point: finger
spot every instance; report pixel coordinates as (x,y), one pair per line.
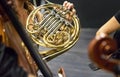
(70,6)
(9,2)
(73,12)
(65,3)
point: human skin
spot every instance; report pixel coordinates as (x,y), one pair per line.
(109,27)
(21,12)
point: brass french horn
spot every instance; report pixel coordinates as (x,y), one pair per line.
(53,32)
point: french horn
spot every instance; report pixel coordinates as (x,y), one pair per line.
(53,32)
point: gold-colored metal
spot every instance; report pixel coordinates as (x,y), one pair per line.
(53,31)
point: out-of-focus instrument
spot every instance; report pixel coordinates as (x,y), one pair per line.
(59,37)
(12,35)
(53,32)
(100,52)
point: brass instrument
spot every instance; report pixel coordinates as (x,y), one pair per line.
(6,32)
(100,51)
(53,32)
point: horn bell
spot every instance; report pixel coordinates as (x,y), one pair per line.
(48,27)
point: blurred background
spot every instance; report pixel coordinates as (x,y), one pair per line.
(92,14)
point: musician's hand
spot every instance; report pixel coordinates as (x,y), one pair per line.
(69,6)
(30,75)
(100,35)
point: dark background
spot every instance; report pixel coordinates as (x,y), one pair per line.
(93,13)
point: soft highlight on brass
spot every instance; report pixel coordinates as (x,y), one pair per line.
(49,27)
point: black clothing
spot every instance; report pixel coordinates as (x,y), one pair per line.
(117,16)
(117,33)
(117,37)
(9,63)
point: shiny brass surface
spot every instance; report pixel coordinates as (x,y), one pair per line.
(48,27)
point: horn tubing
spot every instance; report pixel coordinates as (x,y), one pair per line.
(49,22)
(44,40)
(34,53)
(57,27)
(44,22)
